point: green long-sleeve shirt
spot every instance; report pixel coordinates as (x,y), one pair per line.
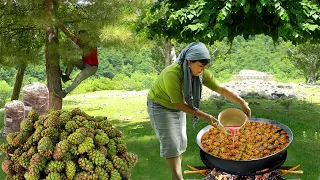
(167,90)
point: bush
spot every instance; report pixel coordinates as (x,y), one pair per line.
(5,92)
(92,85)
(137,81)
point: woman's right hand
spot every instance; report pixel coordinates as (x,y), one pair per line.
(211,120)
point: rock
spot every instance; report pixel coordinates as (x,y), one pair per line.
(257,84)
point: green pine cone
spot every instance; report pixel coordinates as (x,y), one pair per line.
(45,146)
(26,125)
(7,167)
(118,163)
(37,162)
(115,175)
(112,149)
(65,117)
(70,169)
(52,121)
(63,135)
(83,176)
(31,176)
(33,115)
(10,138)
(60,149)
(85,164)
(53,176)
(15,177)
(32,151)
(108,166)
(101,139)
(86,146)
(102,174)
(50,132)
(71,126)
(24,160)
(54,166)
(97,157)
(122,148)
(21,138)
(76,138)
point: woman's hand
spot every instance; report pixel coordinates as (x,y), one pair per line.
(211,120)
(246,109)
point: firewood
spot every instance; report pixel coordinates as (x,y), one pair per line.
(195,172)
(291,172)
(291,169)
(195,169)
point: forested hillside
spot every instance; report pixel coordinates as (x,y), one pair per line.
(257,53)
(133,69)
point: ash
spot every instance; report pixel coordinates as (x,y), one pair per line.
(218,175)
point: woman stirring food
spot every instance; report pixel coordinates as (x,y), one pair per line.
(177,91)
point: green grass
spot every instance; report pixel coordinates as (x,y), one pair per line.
(129,114)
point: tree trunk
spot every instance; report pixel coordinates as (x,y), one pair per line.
(312,75)
(167,53)
(52,60)
(312,78)
(18,82)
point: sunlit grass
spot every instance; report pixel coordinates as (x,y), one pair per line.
(128,112)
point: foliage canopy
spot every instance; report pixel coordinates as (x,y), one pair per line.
(211,20)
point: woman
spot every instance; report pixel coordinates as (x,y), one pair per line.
(177,91)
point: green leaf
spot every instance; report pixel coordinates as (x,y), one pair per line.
(243,2)
(220,17)
(281,12)
(315,16)
(312,27)
(246,8)
(277,5)
(195,27)
(263,2)
(225,13)
(230,20)
(259,8)
(190,16)
(228,5)
(295,34)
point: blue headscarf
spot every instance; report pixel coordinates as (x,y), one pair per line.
(192,85)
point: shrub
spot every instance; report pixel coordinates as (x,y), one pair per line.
(5,92)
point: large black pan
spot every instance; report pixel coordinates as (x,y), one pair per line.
(248,166)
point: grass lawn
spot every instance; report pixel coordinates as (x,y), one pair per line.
(128,112)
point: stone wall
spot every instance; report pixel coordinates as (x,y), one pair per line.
(255,84)
(252,75)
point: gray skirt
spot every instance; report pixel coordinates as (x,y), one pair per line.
(170,128)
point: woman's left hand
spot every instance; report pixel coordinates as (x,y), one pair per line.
(246,109)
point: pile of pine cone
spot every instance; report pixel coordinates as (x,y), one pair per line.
(67,145)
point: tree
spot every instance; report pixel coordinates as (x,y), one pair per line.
(306,58)
(211,20)
(40,19)
(20,42)
(162,53)
(163,49)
